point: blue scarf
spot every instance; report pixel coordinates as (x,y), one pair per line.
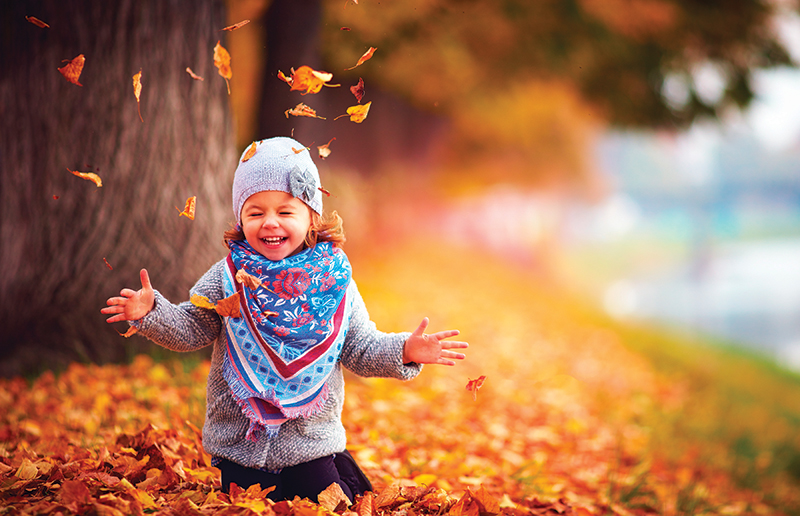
(287,341)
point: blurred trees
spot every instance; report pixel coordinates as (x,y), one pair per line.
(56,229)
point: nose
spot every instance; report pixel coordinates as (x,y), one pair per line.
(270,221)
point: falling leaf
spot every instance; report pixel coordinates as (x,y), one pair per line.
(108,264)
(358,90)
(474,385)
(229,307)
(193,75)
(55,197)
(302,110)
(72,70)
(357,113)
(89,176)
(332,496)
(324,191)
(36,21)
(250,152)
(366,57)
(307,80)
(189,209)
(137,91)
(324,150)
(248,280)
(201,301)
(345,28)
(298,151)
(222,60)
(236,25)
(131,331)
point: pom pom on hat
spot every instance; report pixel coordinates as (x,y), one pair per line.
(276,166)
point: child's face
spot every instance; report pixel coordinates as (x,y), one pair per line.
(275,223)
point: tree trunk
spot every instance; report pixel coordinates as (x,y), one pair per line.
(57,231)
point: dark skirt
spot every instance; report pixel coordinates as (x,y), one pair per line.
(305,480)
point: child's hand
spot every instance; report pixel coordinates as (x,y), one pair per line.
(430,349)
(132,305)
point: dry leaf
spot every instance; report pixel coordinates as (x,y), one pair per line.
(358,90)
(345,28)
(201,301)
(222,60)
(366,57)
(72,70)
(193,75)
(326,192)
(302,110)
(36,21)
(474,385)
(248,279)
(107,264)
(236,25)
(357,113)
(324,150)
(229,307)
(307,80)
(55,197)
(131,331)
(137,91)
(332,497)
(189,209)
(251,151)
(89,176)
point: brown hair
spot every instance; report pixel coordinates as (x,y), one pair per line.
(323,228)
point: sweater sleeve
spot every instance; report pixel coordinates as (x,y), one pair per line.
(368,351)
(185,327)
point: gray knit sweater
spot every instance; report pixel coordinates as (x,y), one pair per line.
(366,352)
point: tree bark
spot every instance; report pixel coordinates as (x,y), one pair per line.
(57,231)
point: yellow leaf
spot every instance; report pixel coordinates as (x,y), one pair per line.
(89,176)
(366,57)
(137,91)
(250,152)
(201,301)
(189,209)
(357,113)
(222,60)
(27,470)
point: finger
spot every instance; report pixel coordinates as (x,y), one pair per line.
(454,344)
(446,334)
(421,328)
(116,318)
(453,355)
(112,310)
(126,292)
(444,361)
(145,277)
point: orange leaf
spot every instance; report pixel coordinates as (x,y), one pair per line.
(324,150)
(474,385)
(137,91)
(236,25)
(193,75)
(366,57)
(229,307)
(36,21)
(307,80)
(302,110)
(201,301)
(357,113)
(488,504)
(74,492)
(326,192)
(250,152)
(131,331)
(332,496)
(222,60)
(89,176)
(27,470)
(358,90)
(248,279)
(189,209)
(72,70)
(108,264)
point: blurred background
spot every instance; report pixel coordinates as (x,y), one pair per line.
(640,153)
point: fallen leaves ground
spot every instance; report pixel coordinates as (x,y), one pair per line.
(572,418)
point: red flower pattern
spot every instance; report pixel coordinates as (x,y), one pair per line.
(291,283)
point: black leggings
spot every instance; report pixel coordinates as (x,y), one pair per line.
(305,480)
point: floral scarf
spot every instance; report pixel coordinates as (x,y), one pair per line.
(287,341)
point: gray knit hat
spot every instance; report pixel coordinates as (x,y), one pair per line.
(276,166)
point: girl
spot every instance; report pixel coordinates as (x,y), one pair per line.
(275,389)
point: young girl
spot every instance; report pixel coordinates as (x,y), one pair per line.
(275,389)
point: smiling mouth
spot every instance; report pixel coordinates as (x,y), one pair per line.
(273,240)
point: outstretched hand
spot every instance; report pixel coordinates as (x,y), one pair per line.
(131,305)
(423,348)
